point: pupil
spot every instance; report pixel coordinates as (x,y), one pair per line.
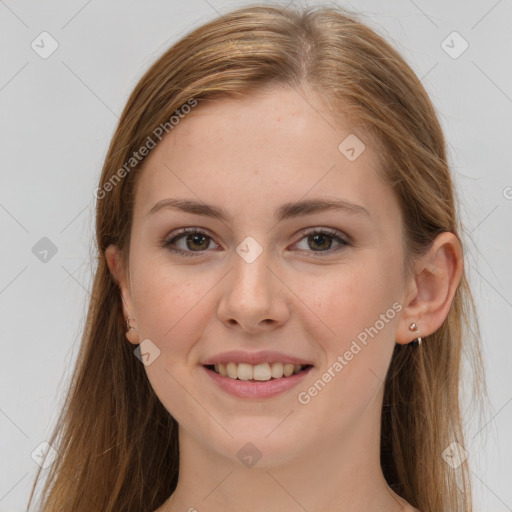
(324,237)
(195,238)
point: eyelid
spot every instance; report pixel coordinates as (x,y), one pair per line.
(335,233)
(180,233)
(342,238)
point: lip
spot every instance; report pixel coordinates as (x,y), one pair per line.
(260,389)
(264,356)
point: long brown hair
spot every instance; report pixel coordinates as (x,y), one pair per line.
(117,445)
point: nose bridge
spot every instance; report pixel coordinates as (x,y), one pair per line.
(253,295)
(251,277)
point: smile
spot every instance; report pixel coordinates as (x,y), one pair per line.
(257,372)
(260,381)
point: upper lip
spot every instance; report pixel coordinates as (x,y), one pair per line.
(264,356)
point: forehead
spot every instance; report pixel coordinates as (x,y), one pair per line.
(279,145)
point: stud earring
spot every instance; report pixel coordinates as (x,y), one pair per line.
(131,333)
(128,326)
(414,328)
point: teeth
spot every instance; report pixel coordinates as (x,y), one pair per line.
(244,371)
(288,369)
(231,370)
(261,372)
(276,370)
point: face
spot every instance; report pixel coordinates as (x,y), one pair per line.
(274,282)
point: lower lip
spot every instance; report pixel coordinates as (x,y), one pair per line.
(257,389)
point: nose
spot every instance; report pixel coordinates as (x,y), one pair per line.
(254,298)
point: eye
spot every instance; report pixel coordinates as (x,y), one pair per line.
(321,239)
(194,240)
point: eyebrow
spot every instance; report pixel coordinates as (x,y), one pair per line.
(286,211)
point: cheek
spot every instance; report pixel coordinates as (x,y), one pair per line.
(171,313)
(352,298)
(362,311)
(170,305)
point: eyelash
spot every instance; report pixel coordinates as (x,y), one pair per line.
(167,244)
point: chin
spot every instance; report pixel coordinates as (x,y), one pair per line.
(260,447)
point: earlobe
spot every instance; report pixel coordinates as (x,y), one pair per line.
(432,289)
(115,265)
(131,333)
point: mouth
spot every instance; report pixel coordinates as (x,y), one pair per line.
(258,372)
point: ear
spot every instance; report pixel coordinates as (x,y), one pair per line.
(430,292)
(115,264)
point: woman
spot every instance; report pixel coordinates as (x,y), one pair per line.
(280,302)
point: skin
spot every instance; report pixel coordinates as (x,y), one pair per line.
(249,156)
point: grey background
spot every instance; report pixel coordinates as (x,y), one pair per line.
(59,113)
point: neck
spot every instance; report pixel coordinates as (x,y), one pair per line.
(339,472)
